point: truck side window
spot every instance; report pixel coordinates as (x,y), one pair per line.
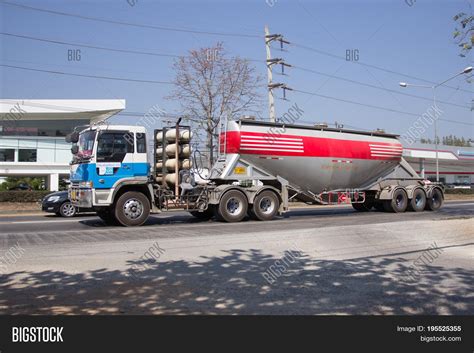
(112,147)
(141,143)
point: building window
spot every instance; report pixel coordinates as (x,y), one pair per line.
(26,155)
(7,155)
(463,180)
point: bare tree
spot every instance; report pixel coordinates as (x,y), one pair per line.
(210,85)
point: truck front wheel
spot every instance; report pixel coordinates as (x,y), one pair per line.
(132,209)
(232,206)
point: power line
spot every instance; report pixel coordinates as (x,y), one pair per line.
(89,46)
(88,76)
(53,41)
(375,106)
(123,23)
(175,29)
(372,66)
(377,87)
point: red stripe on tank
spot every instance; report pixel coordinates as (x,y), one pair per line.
(308,146)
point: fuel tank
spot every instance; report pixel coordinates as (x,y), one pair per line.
(314,158)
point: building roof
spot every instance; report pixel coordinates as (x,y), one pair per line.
(428,151)
(65,109)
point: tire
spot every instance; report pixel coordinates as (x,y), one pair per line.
(67,209)
(233,206)
(132,209)
(204,215)
(435,201)
(399,202)
(418,201)
(265,206)
(108,217)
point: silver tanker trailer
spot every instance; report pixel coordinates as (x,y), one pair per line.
(260,168)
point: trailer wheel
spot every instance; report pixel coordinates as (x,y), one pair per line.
(265,206)
(399,202)
(204,215)
(418,201)
(232,206)
(435,201)
(132,209)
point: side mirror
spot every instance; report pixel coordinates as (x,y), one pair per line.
(72,137)
(75,149)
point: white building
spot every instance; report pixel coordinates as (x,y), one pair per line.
(32,133)
(456,164)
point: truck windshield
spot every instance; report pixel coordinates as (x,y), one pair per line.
(86,143)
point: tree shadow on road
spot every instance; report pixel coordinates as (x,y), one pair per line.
(233,283)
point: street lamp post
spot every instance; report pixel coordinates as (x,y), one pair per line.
(433,87)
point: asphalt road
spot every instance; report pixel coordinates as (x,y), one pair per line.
(311,261)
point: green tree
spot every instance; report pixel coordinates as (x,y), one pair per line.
(450,140)
(34,183)
(464,32)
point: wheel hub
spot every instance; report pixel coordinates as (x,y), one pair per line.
(418,200)
(68,209)
(133,209)
(266,205)
(234,206)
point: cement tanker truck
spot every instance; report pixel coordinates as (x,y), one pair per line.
(260,168)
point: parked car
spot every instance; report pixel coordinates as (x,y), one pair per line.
(59,203)
(21,187)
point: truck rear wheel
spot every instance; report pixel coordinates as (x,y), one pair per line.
(232,206)
(435,201)
(418,201)
(399,202)
(132,209)
(265,206)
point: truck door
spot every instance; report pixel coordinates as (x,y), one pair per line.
(114,159)
(140,160)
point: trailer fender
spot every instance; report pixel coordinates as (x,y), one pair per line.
(429,190)
(387,192)
(251,194)
(217,193)
(411,189)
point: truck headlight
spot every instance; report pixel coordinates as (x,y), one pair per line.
(86,184)
(53,199)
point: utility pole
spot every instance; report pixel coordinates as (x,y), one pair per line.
(271,101)
(270,62)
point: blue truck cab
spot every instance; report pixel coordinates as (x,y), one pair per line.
(110,167)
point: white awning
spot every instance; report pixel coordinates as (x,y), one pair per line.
(93,110)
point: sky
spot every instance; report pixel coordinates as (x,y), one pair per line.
(394,41)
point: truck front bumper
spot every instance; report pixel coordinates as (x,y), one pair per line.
(81,197)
